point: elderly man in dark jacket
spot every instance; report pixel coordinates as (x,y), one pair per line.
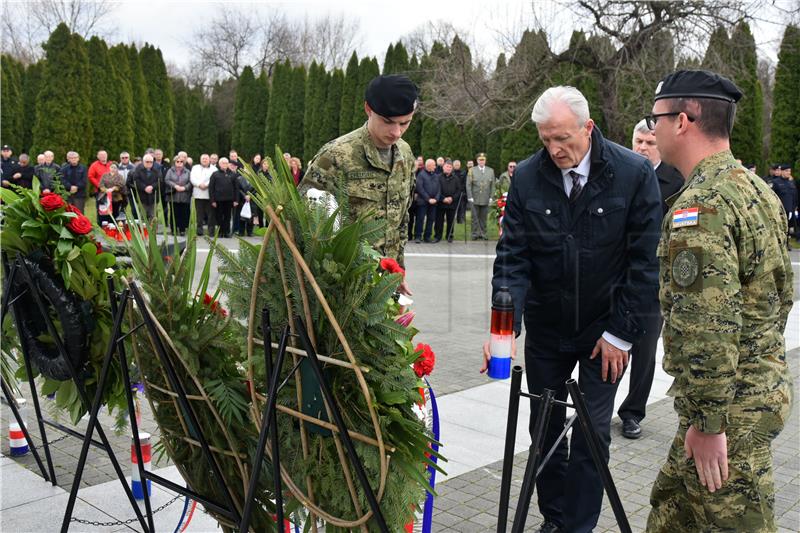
(427,191)
(146,179)
(74,178)
(223,191)
(450,185)
(581,223)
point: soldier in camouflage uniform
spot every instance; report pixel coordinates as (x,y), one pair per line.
(726,293)
(480,186)
(372,168)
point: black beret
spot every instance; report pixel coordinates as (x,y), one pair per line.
(6,147)
(392,96)
(786,166)
(698,84)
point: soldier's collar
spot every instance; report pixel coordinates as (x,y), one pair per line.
(711,165)
(371,151)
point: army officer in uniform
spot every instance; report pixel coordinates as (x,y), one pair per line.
(372,168)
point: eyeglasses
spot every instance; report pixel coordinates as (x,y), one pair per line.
(651,120)
(178,161)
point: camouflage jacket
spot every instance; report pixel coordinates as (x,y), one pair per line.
(725,292)
(351,168)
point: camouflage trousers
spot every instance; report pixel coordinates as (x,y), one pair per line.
(746,500)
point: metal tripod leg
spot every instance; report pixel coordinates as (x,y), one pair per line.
(508,455)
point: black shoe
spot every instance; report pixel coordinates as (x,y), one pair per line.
(449,239)
(548,527)
(418,241)
(631,428)
(436,240)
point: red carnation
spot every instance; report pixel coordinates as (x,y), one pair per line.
(51,201)
(213,305)
(424,364)
(391,266)
(80,225)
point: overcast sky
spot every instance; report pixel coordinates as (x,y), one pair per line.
(170,24)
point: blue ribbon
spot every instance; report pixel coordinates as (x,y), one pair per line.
(427,515)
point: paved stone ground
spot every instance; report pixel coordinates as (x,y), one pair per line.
(469,503)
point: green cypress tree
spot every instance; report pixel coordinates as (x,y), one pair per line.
(413,135)
(400,59)
(31,82)
(209,130)
(244,91)
(388,61)
(290,131)
(123,113)
(747,135)
(262,109)
(63,105)
(313,94)
(333,106)
(279,98)
(454,141)
(162,101)
(349,90)
(367,69)
(192,134)
(12,105)
(318,116)
(518,144)
(494,148)
(180,91)
(785,134)
(251,132)
(430,138)
(103,90)
(144,123)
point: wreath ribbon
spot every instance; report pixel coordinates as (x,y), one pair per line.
(427,515)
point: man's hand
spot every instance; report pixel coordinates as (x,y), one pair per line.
(487,354)
(710,453)
(614,359)
(246,197)
(202,186)
(235,204)
(6,183)
(432,201)
(405,289)
(73,189)
(148,189)
(214,204)
(448,200)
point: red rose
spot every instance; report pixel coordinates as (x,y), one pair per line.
(72,209)
(99,248)
(51,201)
(80,225)
(424,364)
(391,266)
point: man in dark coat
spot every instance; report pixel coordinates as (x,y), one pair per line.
(146,180)
(223,192)
(580,227)
(785,187)
(643,353)
(8,162)
(446,210)
(427,197)
(74,177)
(461,201)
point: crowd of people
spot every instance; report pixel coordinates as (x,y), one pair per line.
(221,194)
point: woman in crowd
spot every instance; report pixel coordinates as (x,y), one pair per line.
(179,194)
(113,182)
(256,162)
(296,167)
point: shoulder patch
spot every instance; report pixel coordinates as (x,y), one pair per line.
(686,217)
(324,162)
(685,267)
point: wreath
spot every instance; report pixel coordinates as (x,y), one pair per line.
(70,267)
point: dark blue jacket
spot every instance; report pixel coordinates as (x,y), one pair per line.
(577,271)
(428,187)
(787,193)
(74,176)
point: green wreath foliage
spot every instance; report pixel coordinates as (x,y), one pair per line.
(31,229)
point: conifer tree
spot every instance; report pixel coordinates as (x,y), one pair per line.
(208,131)
(179,90)
(413,135)
(494,148)
(192,127)
(31,81)
(63,105)
(785,134)
(314,98)
(279,98)
(144,124)
(262,109)
(250,125)
(104,93)
(718,52)
(367,69)
(454,141)
(388,60)
(333,106)
(238,113)
(290,130)
(430,138)
(123,112)
(11,109)
(161,99)
(349,89)
(400,59)
(747,135)
(517,144)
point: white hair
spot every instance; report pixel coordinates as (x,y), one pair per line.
(565,94)
(72,154)
(640,127)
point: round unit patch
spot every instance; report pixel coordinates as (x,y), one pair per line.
(685,268)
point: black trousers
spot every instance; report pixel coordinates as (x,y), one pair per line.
(204,214)
(425,217)
(412,218)
(570,490)
(443,214)
(643,368)
(221,218)
(180,214)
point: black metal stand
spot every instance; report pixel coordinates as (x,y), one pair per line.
(20,268)
(269,424)
(535,463)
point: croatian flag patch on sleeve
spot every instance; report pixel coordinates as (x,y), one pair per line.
(685,217)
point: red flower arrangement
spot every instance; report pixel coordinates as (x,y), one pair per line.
(391,266)
(214,306)
(51,201)
(424,364)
